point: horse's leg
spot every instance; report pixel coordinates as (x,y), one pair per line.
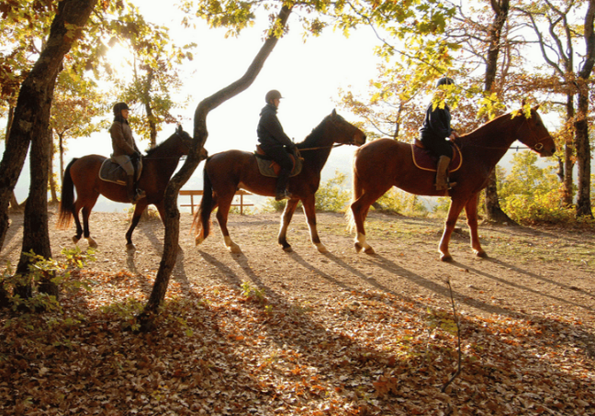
(138,212)
(77,222)
(309,205)
(359,210)
(456,206)
(222,214)
(471,211)
(285,220)
(86,214)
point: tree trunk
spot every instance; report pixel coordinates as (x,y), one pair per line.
(149,110)
(51,177)
(492,204)
(172,214)
(568,182)
(583,148)
(32,113)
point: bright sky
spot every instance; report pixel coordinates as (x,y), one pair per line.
(307,74)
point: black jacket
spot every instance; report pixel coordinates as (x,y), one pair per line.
(269,130)
(436,123)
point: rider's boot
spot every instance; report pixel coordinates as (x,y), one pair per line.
(442,182)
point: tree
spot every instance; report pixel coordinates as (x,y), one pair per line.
(31,124)
(557,37)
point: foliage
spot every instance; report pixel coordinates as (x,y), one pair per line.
(402,202)
(270,205)
(332,195)
(62,273)
(533,194)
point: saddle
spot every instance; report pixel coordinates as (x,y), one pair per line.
(111,171)
(424,160)
(268,167)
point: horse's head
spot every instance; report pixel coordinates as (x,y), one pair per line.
(533,133)
(344,132)
(184,138)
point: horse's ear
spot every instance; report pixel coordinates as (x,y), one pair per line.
(334,113)
(536,107)
(179,129)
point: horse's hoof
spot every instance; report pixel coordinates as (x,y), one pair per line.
(130,248)
(92,243)
(234,248)
(75,239)
(358,247)
(288,249)
(446,258)
(321,248)
(481,253)
(369,250)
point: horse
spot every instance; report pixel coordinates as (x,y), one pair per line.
(384,163)
(226,172)
(83,174)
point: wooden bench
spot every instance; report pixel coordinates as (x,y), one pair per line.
(241,193)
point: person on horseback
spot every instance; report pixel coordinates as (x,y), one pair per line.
(434,132)
(126,153)
(275,143)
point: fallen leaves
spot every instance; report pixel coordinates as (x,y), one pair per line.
(220,350)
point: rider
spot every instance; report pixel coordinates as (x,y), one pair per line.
(126,154)
(434,132)
(275,143)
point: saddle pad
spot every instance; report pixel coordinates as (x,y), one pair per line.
(110,171)
(270,168)
(424,160)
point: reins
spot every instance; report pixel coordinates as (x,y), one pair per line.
(321,147)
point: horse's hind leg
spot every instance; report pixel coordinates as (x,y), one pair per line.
(87,234)
(309,205)
(471,211)
(359,210)
(285,220)
(222,214)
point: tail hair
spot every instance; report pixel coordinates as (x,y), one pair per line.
(66,212)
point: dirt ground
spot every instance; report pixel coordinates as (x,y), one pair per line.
(531,272)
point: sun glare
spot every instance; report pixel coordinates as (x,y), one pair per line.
(118,56)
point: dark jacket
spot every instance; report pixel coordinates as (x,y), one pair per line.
(436,123)
(270,132)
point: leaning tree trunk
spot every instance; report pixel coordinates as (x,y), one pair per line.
(172,214)
(492,203)
(31,121)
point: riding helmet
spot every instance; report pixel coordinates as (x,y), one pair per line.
(119,107)
(444,81)
(272,95)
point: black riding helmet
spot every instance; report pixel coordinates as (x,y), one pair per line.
(444,81)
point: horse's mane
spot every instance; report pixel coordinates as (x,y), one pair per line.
(159,146)
(314,136)
(492,123)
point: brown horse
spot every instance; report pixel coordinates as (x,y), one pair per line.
(83,174)
(385,163)
(226,172)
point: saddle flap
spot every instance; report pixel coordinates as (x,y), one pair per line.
(424,160)
(268,167)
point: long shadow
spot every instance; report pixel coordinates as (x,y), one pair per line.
(393,268)
(13,239)
(525,288)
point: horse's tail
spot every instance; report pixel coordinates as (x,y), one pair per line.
(356,192)
(66,200)
(202,218)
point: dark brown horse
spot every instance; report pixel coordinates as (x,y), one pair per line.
(226,172)
(83,174)
(385,163)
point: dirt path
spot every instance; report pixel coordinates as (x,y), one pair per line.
(529,271)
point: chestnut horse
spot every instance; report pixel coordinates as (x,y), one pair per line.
(83,174)
(385,163)
(226,172)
